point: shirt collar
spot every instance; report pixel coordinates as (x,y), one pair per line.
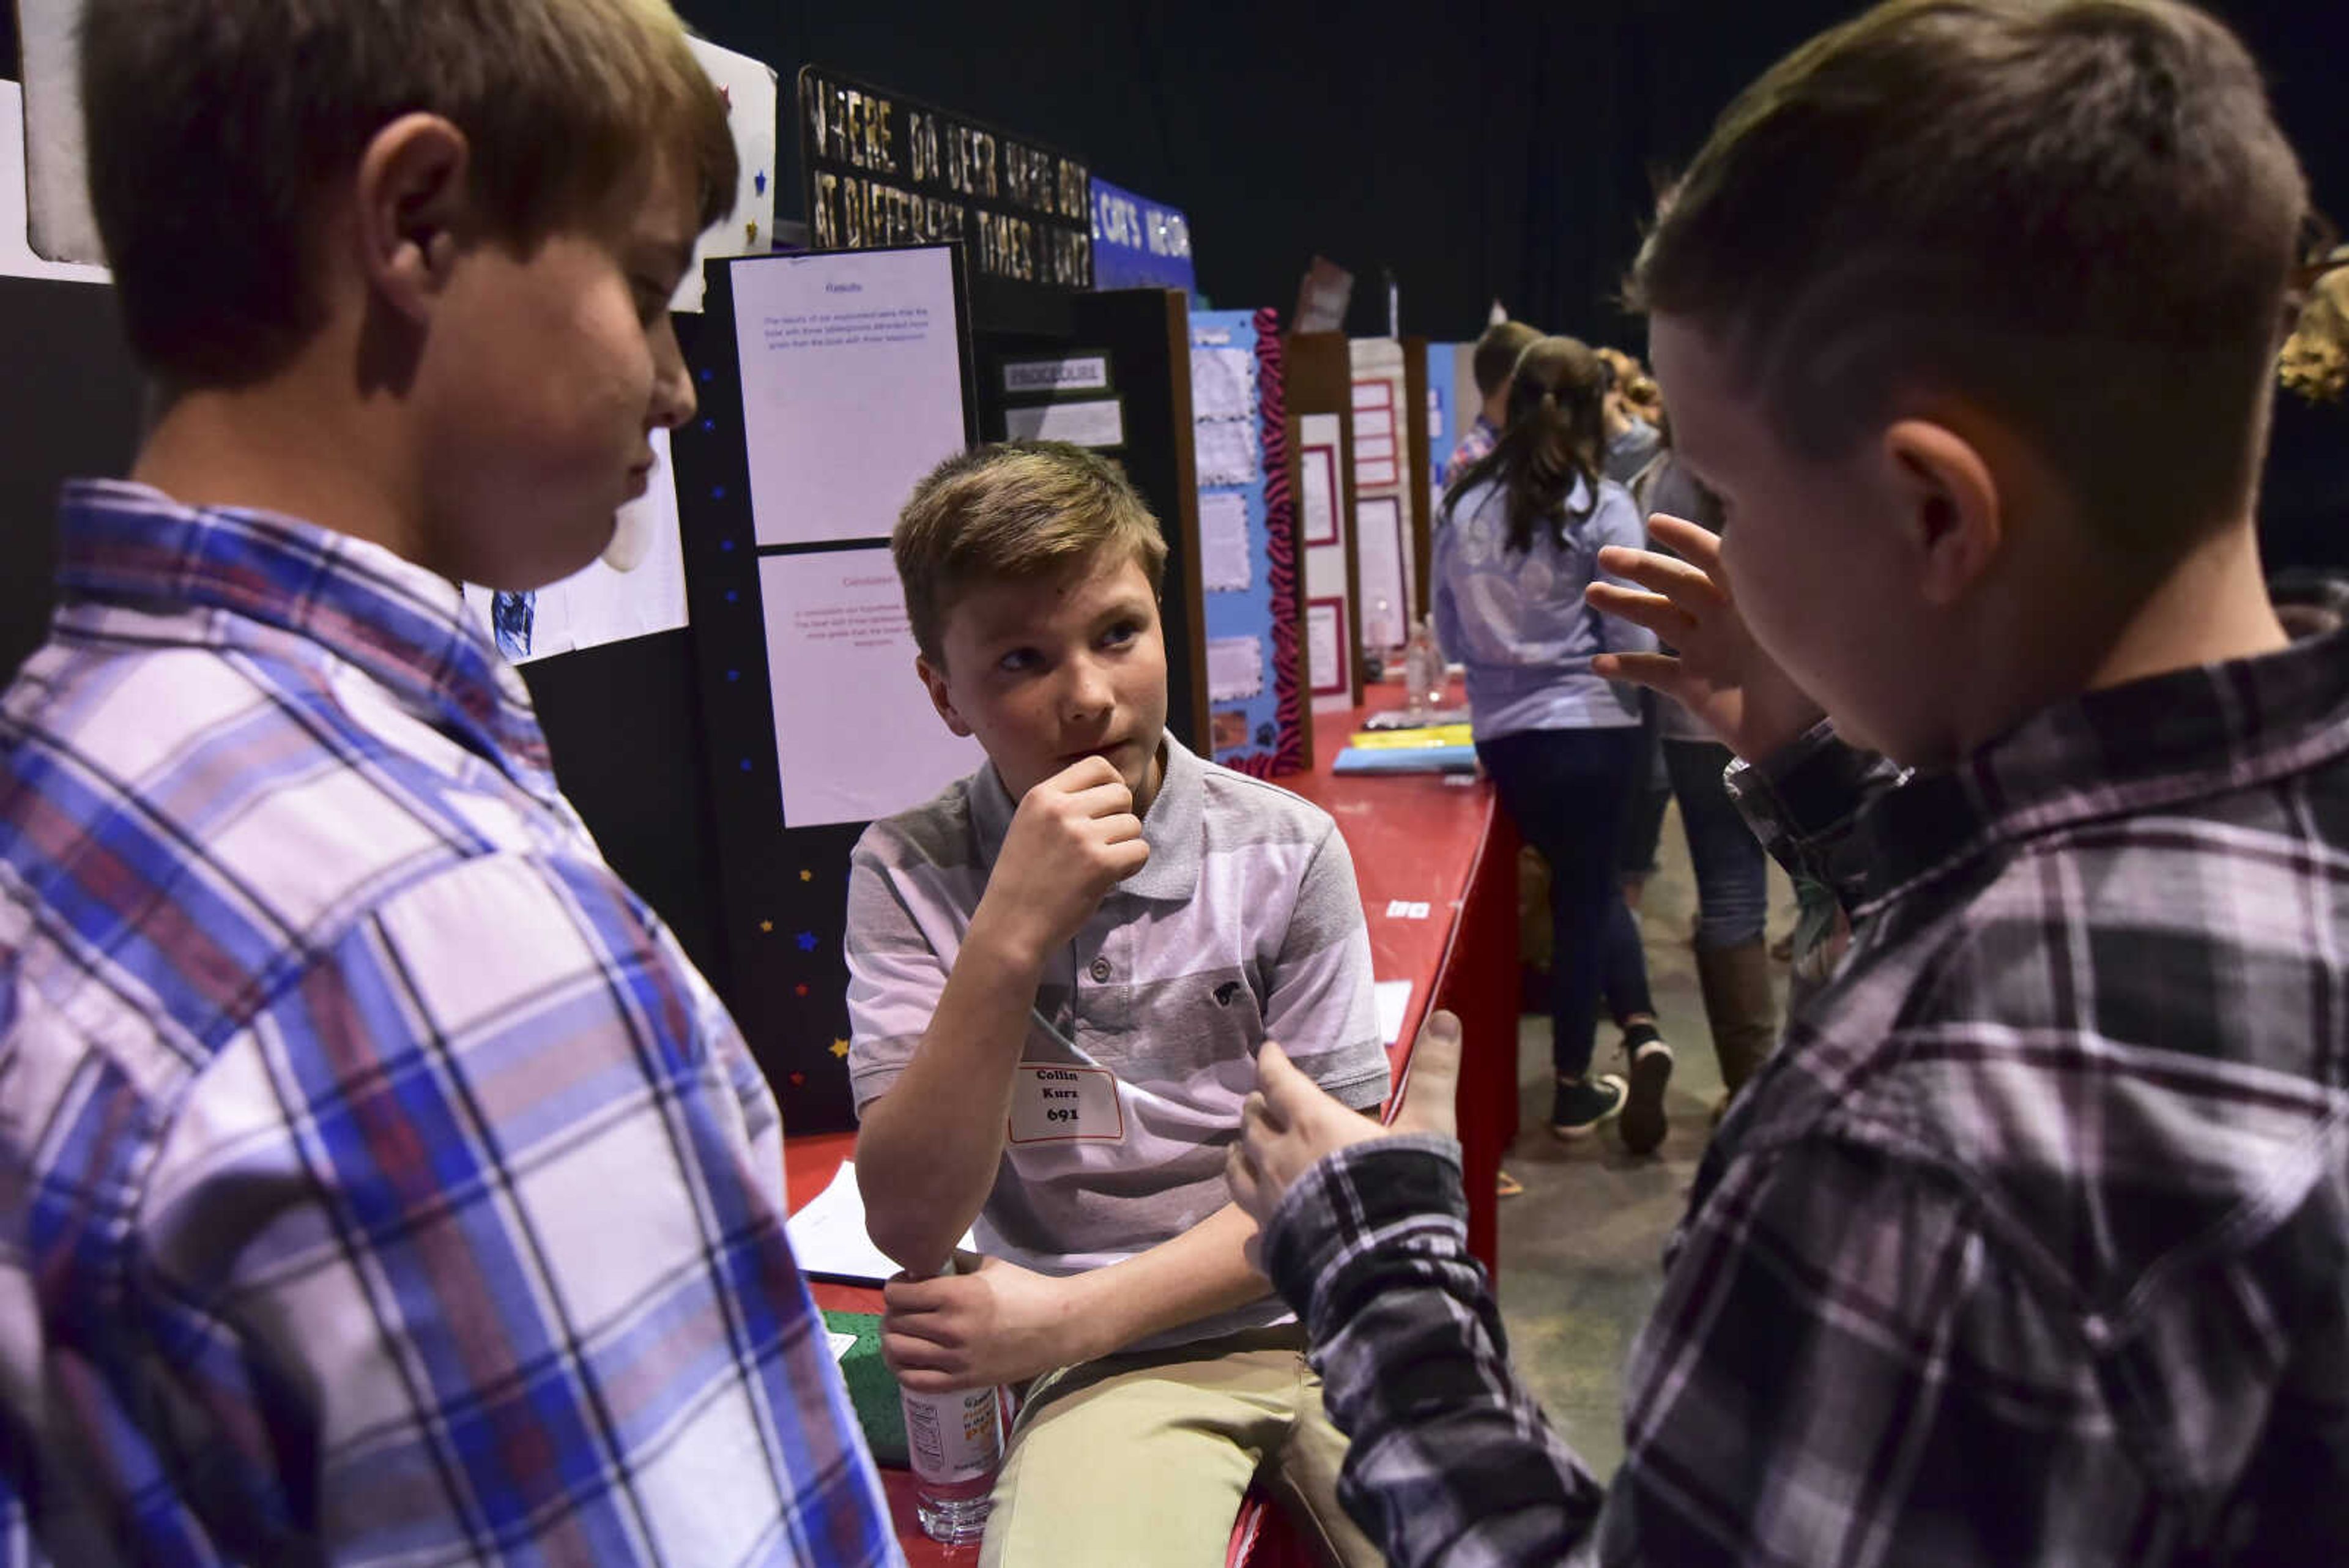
(409,629)
(1174,828)
(2147,745)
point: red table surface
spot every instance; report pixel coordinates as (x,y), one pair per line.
(1415,839)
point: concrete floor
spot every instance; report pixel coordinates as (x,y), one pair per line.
(1580,1250)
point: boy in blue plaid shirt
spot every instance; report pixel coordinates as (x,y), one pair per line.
(378,1178)
(2032,1242)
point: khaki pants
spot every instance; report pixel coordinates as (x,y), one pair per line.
(1141,1459)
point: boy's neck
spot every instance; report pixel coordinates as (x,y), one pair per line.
(283,446)
(2211,607)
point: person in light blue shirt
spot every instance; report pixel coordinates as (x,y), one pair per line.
(1516,545)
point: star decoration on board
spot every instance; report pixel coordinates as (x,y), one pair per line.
(800,990)
(766,925)
(758,183)
(751,232)
(807,941)
(799,1080)
(839,1048)
(806,875)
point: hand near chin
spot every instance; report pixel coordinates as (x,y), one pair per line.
(995,1323)
(1289,1122)
(1073,838)
(1717,671)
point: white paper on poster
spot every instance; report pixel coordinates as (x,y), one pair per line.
(1226,452)
(750,102)
(1076,373)
(1435,418)
(851,387)
(1378,555)
(1316,497)
(1235,667)
(1372,424)
(54,153)
(1323,654)
(17,258)
(1373,358)
(1098,423)
(1222,384)
(1369,449)
(597,605)
(855,736)
(1226,555)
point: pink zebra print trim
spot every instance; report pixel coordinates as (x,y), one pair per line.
(1280,538)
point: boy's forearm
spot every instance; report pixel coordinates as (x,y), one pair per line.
(1201,1273)
(928,1151)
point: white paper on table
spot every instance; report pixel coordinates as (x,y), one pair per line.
(1097,422)
(855,736)
(752,96)
(840,1343)
(851,387)
(1226,452)
(1393,998)
(1222,384)
(1227,554)
(1378,555)
(828,1237)
(1369,423)
(1235,668)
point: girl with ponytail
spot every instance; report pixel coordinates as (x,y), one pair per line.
(1517,541)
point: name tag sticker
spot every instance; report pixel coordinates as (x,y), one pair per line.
(1055,1104)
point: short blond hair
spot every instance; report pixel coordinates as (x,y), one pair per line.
(1015,512)
(215,126)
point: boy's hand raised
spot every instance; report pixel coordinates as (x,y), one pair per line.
(1720,674)
(1073,838)
(1289,1122)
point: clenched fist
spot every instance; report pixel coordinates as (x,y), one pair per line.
(1073,838)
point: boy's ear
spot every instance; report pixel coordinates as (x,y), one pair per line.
(413,208)
(934,678)
(1948,496)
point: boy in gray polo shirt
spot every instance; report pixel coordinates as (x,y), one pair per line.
(1060,970)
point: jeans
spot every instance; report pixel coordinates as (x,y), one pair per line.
(1568,791)
(1732,884)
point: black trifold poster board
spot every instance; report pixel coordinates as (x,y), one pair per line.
(781,891)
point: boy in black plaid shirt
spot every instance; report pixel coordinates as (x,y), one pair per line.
(2029,1244)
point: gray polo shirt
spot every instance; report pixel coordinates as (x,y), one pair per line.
(1244,926)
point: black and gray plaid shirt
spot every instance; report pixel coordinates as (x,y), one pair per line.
(2033,1243)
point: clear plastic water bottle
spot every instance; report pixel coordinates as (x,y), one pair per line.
(1423,670)
(956,1443)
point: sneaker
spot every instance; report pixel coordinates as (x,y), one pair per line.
(1581,1104)
(1643,1111)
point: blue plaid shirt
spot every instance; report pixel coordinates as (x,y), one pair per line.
(378,1180)
(2032,1242)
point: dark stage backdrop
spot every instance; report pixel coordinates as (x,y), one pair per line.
(1479,148)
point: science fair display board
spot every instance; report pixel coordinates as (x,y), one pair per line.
(829,385)
(1320,394)
(1256,718)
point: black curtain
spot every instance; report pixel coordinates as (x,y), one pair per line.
(1484,148)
